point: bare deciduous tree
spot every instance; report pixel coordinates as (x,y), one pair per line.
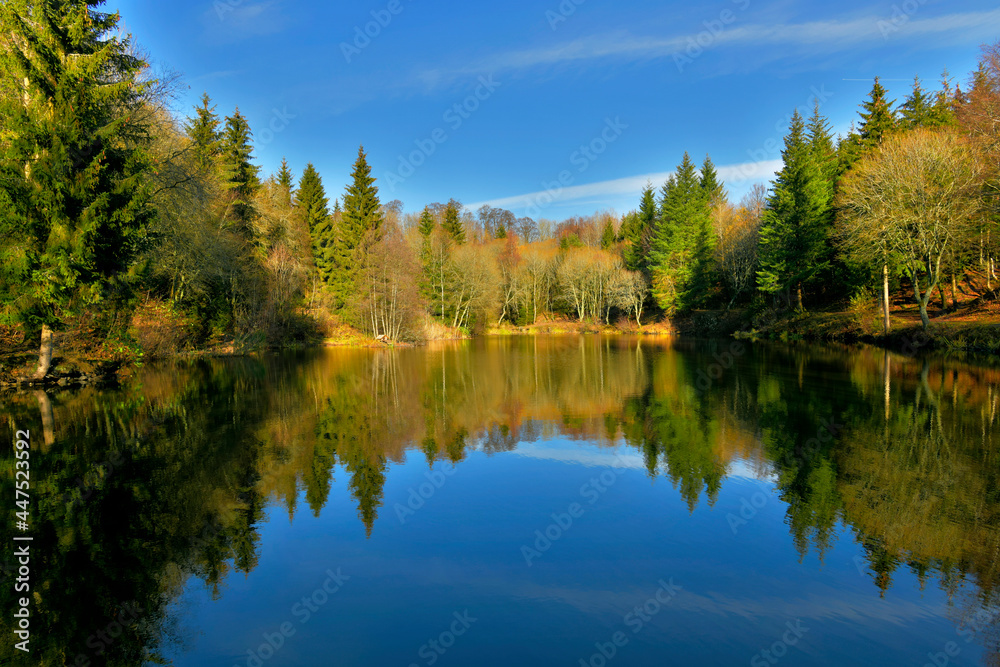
(910,202)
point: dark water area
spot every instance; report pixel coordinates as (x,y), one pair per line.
(514,501)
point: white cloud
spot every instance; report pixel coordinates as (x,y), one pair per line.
(235,20)
(814,36)
(631,186)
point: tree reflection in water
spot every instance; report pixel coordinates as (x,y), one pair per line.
(900,453)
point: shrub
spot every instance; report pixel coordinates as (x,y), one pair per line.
(160,330)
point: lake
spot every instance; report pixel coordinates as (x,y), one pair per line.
(577,500)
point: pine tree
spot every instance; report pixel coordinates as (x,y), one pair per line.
(361,217)
(942,113)
(75,202)
(311,204)
(501,231)
(794,229)
(203,129)
(715,192)
(239,173)
(608,235)
(680,252)
(917,109)
(878,119)
(453,224)
(426,223)
(286,180)
(638,233)
(824,154)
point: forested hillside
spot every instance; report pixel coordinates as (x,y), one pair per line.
(146,233)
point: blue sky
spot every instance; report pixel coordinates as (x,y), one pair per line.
(563,107)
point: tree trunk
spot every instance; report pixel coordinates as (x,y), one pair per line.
(954,292)
(44,353)
(886,323)
(922,300)
(798,297)
(944,303)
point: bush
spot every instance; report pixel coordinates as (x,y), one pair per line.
(160,330)
(865,312)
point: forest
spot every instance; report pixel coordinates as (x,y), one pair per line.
(145,233)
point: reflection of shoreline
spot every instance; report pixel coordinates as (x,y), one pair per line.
(207,442)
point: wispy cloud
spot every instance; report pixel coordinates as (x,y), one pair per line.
(815,37)
(631,186)
(234,20)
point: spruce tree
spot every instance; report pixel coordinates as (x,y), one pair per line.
(426,223)
(311,204)
(916,110)
(710,183)
(453,223)
(286,180)
(795,226)
(638,233)
(942,113)
(203,129)
(362,215)
(680,252)
(239,174)
(74,201)
(877,118)
(608,235)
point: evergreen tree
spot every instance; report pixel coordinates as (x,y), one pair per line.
(795,226)
(239,173)
(878,119)
(74,202)
(681,247)
(638,233)
(203,129)
(362,215)
(426,223)
(311,204)
(608,235)
(452,223)
(821,144)
(942,113)
(710,183)
(824,154)
(917,109)
(501,231)
(286,180)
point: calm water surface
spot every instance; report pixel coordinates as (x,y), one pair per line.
(520,501)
